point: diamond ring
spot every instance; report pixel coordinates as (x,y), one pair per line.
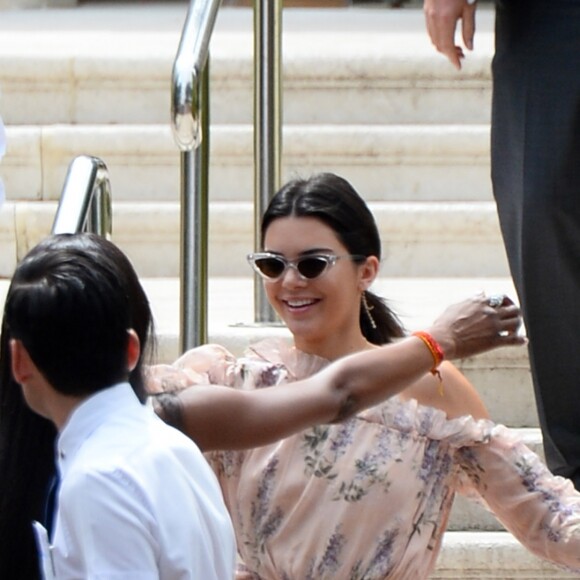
(496,300)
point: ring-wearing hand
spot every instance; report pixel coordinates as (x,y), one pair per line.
(496,300)
(477,325)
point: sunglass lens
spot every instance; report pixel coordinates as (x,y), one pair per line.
(270,267)
(312,267)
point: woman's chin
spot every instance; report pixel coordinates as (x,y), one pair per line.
(304,332)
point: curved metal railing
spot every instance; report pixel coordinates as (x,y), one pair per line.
(85,202)
(194,233)
(190,125)
(188,68)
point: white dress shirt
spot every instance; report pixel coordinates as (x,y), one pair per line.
(137,499)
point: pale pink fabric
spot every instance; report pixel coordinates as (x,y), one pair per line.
(370,498)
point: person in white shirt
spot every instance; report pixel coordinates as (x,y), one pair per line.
(137,500)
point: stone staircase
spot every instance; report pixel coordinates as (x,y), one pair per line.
(364,95)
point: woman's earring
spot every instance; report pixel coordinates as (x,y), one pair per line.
(368,309)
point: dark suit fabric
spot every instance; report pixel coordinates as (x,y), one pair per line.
(536,180)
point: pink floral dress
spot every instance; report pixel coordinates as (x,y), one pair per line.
(370,498)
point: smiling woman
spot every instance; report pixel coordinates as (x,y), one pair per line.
(334,313)
(367,493)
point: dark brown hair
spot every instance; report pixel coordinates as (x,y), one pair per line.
(333,200)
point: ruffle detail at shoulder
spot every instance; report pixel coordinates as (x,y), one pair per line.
(408,416)
(202,365)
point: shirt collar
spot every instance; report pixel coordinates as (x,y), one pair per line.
(87,417)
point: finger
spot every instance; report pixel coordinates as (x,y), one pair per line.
(431,29)
(507,301)
(509,315)
(468,26)
(510,311)
(509,330)
(499,300)
(512,340)
(511,326)
(453,53)
(441,30)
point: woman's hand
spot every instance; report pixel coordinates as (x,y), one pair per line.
(477,325)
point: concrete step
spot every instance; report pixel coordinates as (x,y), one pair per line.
(384,162)
(429,239)
(112,64)
(491,556)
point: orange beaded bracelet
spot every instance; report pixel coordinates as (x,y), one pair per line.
(437,354)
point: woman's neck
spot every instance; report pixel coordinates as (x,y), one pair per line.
(334,348)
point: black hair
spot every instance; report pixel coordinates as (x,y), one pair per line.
(70,301)
(334,201)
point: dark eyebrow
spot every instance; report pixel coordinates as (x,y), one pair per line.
(317,251)
(310,252)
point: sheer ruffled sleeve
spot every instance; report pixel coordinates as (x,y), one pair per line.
(207,364)
(540,509)
(265,364)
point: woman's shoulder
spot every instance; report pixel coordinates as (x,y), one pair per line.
(443,407)
(450,392)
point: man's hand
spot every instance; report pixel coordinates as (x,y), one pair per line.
(442,17)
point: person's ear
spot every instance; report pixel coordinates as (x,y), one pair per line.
(22,365)
(368,272)
(133,349)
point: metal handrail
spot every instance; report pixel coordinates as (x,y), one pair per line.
(267,126)
(190,61)
(85,203)
(190,125)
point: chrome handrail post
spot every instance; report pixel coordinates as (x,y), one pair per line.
(267,125)
(195,231)
(190,124)
(100,214)
(85,203)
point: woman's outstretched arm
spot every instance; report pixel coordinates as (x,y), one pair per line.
(224,418)
(218,417)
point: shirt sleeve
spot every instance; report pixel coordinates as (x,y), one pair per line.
(540,509)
